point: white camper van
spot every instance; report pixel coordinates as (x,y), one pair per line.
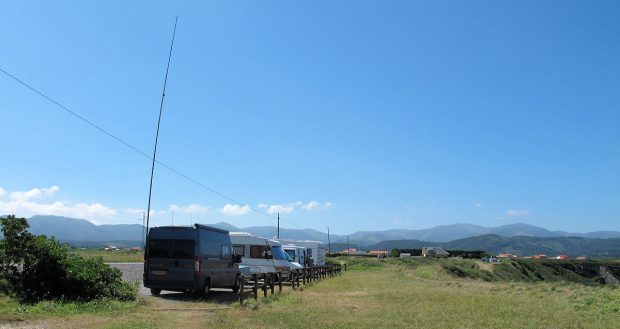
(261,255)
(315,249)
(297,253)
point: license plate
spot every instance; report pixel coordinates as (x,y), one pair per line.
(160,272)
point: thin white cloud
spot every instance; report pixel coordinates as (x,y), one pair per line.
(93,211)
(235,210)
(478,205)
(286,208)
(517,213)
(315,205)
(34,193)
(311,205)
(190,209)
(139,212)
(3,192)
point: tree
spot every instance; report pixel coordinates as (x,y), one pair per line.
(395,252)
(38,267)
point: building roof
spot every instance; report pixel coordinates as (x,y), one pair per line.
(435,250)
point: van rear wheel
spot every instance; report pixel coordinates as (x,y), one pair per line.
(155,292)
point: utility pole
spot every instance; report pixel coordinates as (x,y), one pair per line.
(161,108)
(143,228)
(329,244)
(278,225)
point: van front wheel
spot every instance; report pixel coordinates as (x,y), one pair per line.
(238,283)
(155,292)
(207,288)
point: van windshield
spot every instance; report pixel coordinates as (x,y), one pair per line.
(171,248)
(278,253)
(290,252)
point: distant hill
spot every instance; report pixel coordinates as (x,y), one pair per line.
(445,233)
(520,245)
(517,238)
(72,229)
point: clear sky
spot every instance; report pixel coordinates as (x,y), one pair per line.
(358,115)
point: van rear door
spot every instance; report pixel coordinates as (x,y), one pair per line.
(171,261)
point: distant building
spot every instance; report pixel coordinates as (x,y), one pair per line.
(405,255)
(507,256)
(561,257)
(110,248)
(434,252)
(378,252)
(541,256)
(349,251)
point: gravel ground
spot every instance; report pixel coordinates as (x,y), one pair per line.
(132,272)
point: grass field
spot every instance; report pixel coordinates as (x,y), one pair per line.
(119,256)
(372,294)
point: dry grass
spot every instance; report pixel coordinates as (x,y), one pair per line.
(383,295)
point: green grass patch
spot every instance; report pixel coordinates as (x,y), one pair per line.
(119,256)
(12,310)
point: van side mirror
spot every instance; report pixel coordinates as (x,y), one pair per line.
(237,259)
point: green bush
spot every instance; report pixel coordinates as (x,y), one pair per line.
(40,268)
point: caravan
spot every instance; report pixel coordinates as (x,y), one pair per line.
(261,255)
(315,250)
(297,254)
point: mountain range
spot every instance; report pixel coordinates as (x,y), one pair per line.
(514,238)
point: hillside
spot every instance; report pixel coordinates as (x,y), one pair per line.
(520,245)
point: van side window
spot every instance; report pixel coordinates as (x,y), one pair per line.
(210,248)
(225,251)
(239,250)
(260,252)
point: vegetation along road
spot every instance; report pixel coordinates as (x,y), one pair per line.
(392,293)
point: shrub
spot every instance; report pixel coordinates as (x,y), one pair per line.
(40,268)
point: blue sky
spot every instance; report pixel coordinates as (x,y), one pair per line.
(358,115)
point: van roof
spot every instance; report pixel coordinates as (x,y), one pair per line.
(196,226)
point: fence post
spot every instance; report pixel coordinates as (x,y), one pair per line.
(264,284)
(241,286)
(303,277)
(272,280)
(255,278)
(280,282)
(345,267)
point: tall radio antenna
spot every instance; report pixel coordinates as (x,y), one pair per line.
(161,107)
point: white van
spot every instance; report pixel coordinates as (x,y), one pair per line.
(261,255)
(316,250)
(297,253)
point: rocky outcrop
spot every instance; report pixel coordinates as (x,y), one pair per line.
(608,276)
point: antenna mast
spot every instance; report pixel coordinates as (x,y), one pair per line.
(161,107)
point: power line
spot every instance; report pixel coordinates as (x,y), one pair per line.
(144,154)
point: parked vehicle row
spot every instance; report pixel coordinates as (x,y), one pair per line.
(198,258)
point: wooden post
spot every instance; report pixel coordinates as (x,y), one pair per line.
(280,282)
(241,286)
(264,284)
(255,278)
(345,267)
(303,278)
(272,280)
